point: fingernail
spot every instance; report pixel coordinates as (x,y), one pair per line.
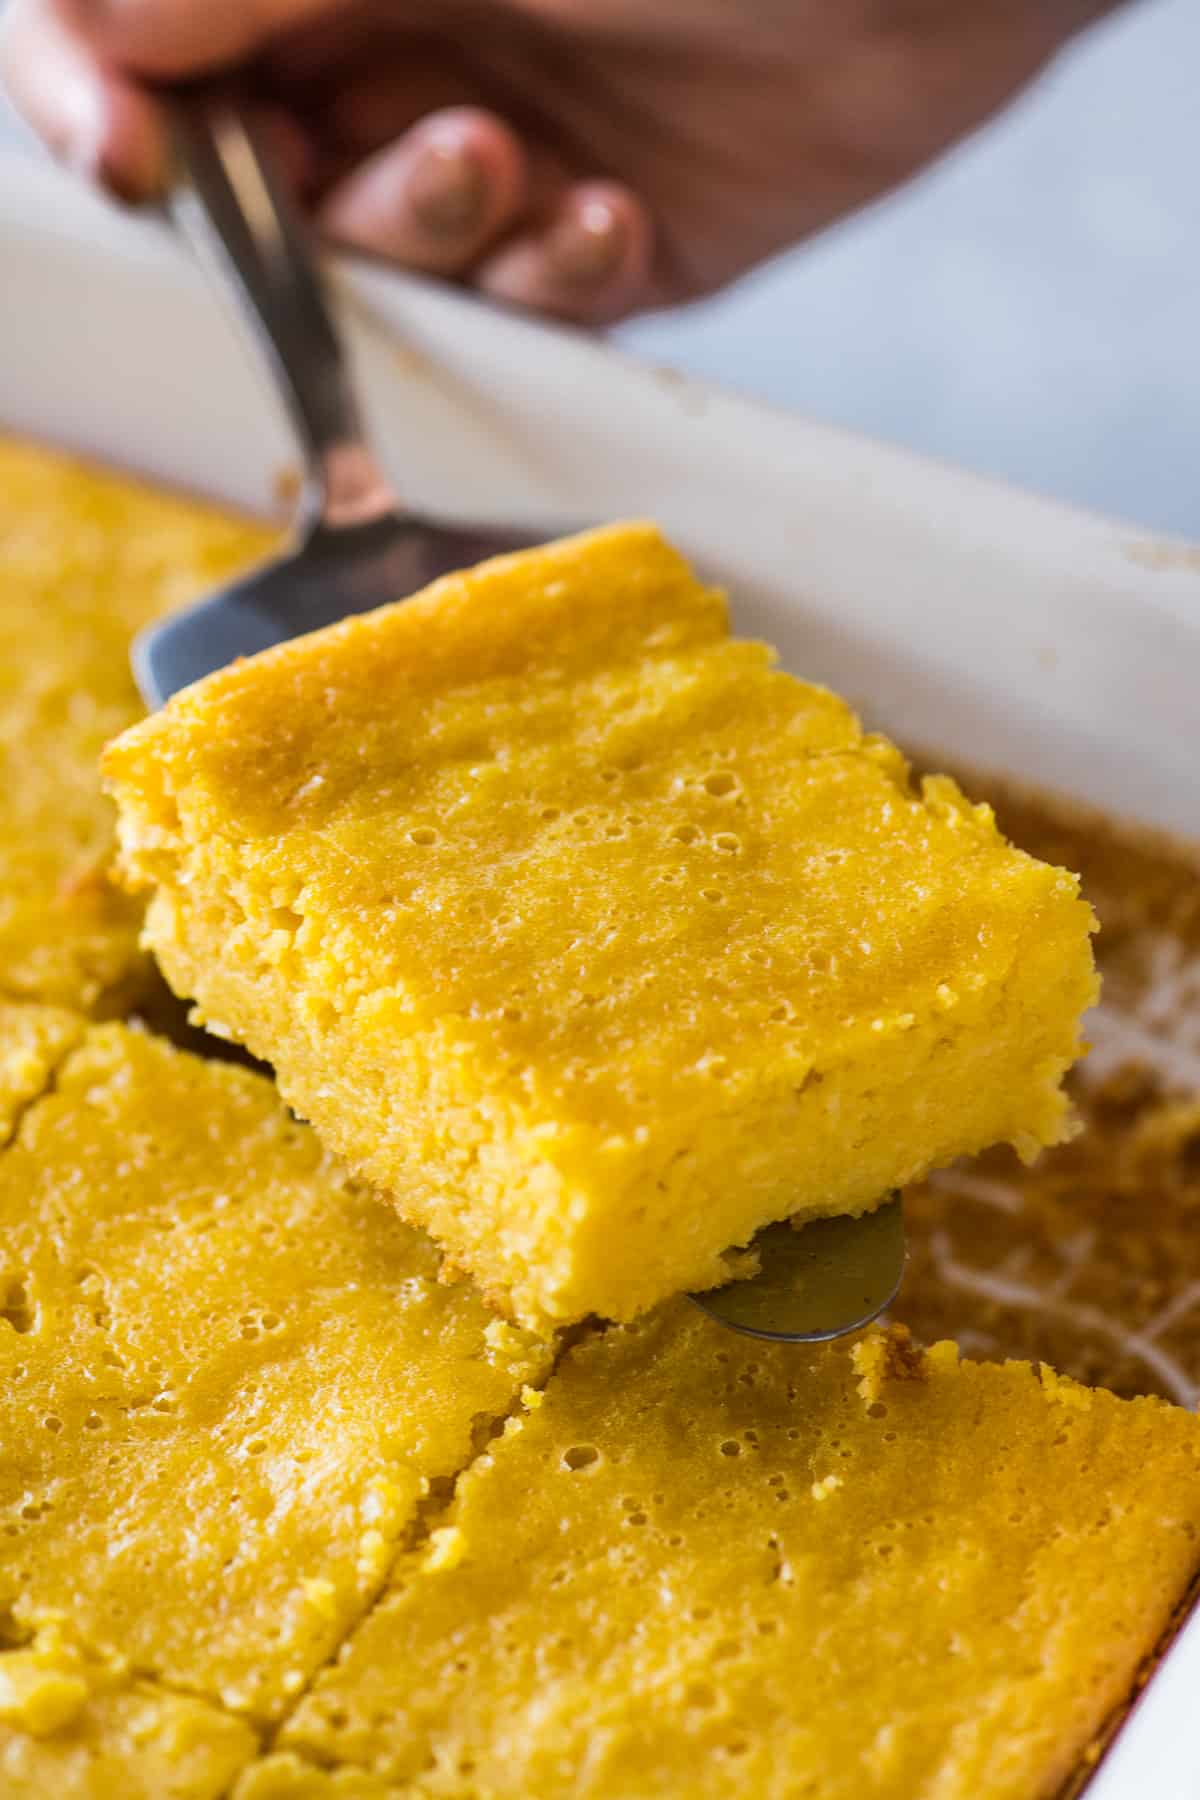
(447,190)
(586,247)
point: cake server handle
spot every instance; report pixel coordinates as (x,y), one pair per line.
(236,213)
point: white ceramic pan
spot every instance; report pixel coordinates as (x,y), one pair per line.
(1008,632)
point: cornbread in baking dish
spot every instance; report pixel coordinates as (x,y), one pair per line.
(734,1568)
(590,937)
(228,1379)
(86,558)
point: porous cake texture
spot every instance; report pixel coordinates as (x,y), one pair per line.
(587,935)
(86,559)
(229,1382)
(702,1565)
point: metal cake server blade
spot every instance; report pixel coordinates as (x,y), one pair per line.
(356,549)
(815,1281)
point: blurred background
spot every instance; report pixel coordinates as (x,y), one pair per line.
(1030,308)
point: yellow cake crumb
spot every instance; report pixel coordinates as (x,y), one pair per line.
(828,1484)
(231,1378)
(71,1729)
(446,1548)
(594,940)
(37,1697)
(86,559)
(714,1567)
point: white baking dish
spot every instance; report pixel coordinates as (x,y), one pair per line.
(1006,631)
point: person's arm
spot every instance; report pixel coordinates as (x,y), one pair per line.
(583,157)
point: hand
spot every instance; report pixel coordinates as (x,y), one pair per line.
(582,157)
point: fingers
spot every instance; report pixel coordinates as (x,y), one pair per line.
(436,197)
(455,194)
(590,262)
(92,119)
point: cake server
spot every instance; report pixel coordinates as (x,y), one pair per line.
(356,548)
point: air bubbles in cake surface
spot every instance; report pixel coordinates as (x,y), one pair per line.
(52,1423)
(422,835)
(93,1422)
(699,1694)
(877,1410)
(684,834)
(18,1309)
(730,1447)
(728,841)
(720,783)
(714,896)
(548,814)
(675,1542)
(782,1014)
(580,1456)
(636,1518)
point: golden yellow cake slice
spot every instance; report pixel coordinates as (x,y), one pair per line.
(589,936)
(707,1566)
(231,1382)
(74,1729)
(85,560)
